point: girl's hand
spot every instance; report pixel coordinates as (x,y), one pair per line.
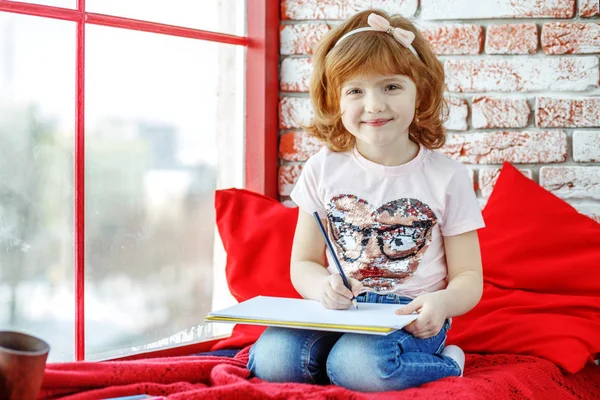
(335,295)
(432,314)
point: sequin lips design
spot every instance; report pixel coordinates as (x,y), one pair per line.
(380,247)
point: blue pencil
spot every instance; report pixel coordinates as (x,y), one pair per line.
(335,259)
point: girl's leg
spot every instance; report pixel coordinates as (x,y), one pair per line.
(370,363)
(292,355)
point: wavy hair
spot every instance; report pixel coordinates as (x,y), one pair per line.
(367,53)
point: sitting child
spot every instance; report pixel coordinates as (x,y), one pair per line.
(402,217)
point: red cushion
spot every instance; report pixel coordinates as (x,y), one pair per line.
(536,241)
(257,232)
(541,265)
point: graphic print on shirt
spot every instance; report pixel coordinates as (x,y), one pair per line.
(380,246)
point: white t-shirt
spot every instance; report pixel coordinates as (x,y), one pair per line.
(387,223)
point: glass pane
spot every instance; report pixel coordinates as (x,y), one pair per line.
(225,16)
(56,3)
(37,109)
(163,129)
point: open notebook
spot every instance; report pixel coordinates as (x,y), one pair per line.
(377,319)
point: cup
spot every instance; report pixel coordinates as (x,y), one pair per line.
(22,364)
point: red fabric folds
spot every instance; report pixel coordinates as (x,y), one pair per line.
(203,377)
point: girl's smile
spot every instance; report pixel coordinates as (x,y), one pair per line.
(377,122)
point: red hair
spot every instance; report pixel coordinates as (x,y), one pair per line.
(367,53)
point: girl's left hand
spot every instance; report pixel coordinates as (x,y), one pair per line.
(432,314)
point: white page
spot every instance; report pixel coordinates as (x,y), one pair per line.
(308,311)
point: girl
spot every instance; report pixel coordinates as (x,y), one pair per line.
(403,217)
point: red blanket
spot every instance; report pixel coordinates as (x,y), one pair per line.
(205,377)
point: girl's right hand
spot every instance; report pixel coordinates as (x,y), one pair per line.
(336,296)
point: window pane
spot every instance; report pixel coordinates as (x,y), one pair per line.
(163,119)
(54,3)
(37,109)
(225,16)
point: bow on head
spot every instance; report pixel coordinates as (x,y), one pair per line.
(381,24)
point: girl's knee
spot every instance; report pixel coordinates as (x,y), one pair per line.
(289,355)
(363,363)
(349,363)
(271,355)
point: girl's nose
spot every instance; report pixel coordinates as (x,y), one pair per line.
(374,104)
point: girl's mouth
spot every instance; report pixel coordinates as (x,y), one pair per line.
(377,122)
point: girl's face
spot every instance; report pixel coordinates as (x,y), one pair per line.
(378,109)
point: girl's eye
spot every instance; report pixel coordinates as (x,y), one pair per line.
(353,91)
(393,87)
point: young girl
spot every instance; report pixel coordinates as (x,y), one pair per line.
(402,217)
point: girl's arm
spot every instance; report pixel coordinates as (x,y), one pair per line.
(309,277)
(307,270)
(465,278)
(465,286)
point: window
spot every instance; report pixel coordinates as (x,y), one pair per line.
(114,134)
(225,16)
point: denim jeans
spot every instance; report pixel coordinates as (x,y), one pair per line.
(366,363)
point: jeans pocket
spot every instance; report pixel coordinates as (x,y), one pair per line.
(444,331)
(447,325)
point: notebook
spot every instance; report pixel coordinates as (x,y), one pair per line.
(369,318)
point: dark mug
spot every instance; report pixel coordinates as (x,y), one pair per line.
(22,364)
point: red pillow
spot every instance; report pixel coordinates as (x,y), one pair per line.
(541,267)
(536,241)
(257,232)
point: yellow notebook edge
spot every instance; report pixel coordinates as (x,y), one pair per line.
(215,318)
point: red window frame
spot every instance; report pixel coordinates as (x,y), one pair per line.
(262,91)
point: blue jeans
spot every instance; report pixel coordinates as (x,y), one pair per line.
(366,363)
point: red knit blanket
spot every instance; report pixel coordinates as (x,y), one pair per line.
(494,377)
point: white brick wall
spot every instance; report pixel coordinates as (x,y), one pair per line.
(522,79)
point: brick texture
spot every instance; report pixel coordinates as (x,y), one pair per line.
(340,9)
(454,38)
(586,146)
(489,176)
(500,112)
(295,74)
(516,147)
(476,9)
(294,112)
(288,176)
(553,112)
(519,75)
(570,38)
(572,182)
(589,8)
(300,38)
(511,39)
(522,85)
(298,146)
(458,112)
